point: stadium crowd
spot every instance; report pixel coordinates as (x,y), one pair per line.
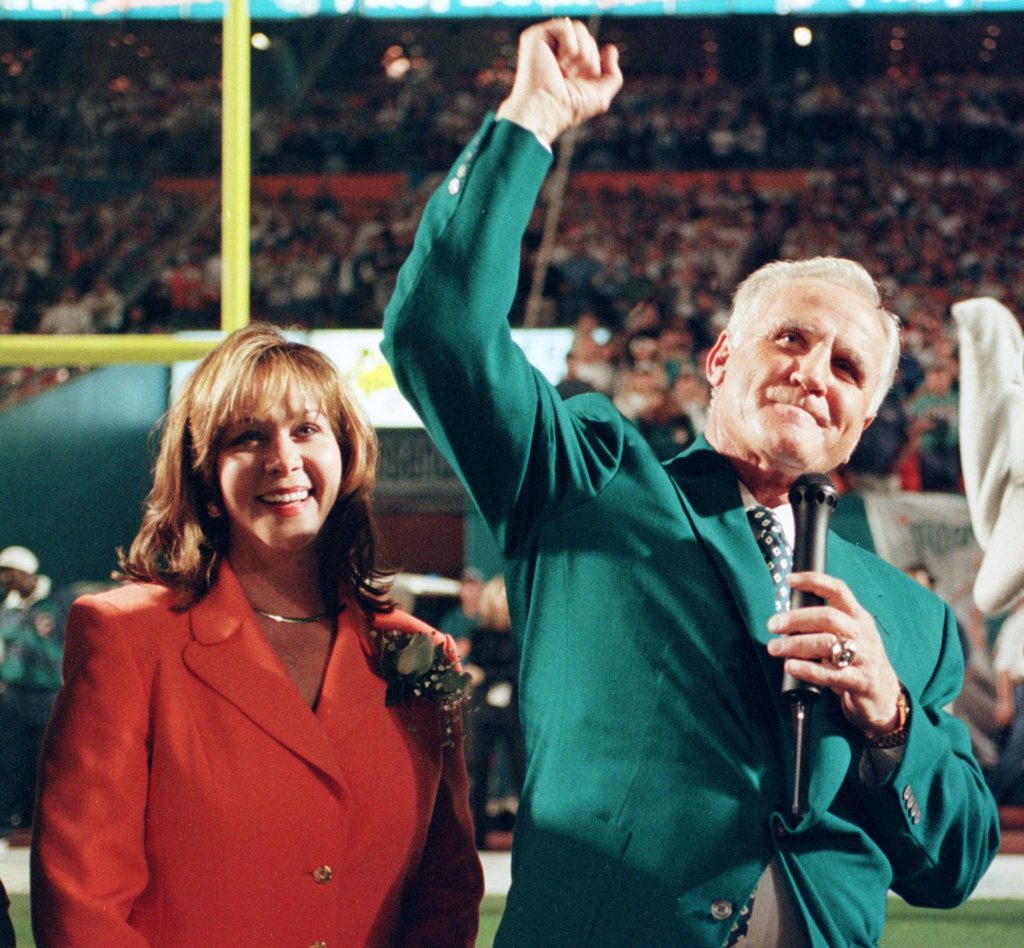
(654,262)
(162,126)
(915,174)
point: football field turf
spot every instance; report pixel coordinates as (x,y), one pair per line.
(981,923)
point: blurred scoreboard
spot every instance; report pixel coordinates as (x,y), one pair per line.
(356,353)
(411,9)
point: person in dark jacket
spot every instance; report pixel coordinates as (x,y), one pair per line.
(492,721)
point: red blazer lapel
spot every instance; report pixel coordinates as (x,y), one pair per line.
(353,687)
(352,690)
(230,654)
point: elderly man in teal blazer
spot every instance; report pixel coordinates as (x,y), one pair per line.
(658,744)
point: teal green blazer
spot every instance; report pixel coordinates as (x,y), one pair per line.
(658,745)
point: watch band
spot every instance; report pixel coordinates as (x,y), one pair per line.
(897,737)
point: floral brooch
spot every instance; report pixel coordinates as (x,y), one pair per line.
(414,666)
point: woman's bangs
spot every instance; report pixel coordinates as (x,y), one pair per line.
(269,383)
(265,384)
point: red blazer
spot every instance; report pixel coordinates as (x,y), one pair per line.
(188,796)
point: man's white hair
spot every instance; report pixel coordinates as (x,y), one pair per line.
(752,294)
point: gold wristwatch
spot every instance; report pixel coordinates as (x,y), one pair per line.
(897,737)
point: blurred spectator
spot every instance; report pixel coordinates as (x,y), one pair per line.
(968,643)
(136,320)
(571,384)
(492,719)
(8,315)
(591,365)
(460,620)
(934,414)
(31,642)
(193,300)
(873,464)
(680,416)
(1007,778)
(976,703)
(67,315)
(577,271)
(105,305)
(641,391)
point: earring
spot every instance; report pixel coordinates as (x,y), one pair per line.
(213,510)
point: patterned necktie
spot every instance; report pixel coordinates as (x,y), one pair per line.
(776,551)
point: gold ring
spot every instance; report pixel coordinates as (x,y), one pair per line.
(843,652)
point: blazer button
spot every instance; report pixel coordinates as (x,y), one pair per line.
(721,909)
(323,875)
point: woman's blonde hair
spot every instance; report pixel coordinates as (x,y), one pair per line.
(184,533)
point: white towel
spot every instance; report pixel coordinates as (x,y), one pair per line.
(992,445)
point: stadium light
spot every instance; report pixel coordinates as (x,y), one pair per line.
(803,36)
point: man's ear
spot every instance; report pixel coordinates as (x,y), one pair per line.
(718,356)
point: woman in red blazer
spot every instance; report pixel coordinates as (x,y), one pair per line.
(251,746)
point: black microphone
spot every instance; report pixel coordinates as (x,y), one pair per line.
(813,498)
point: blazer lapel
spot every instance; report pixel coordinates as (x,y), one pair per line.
(353,690)
(231,655)
(353,687)
(709,492)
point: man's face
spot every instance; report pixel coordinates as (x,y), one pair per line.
(16,579)
(938,380)
(793,394)
(469,593)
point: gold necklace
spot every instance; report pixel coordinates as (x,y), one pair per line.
(292,620)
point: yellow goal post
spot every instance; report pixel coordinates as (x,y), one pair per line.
(57,350)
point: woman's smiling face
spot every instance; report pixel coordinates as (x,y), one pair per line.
(279,474)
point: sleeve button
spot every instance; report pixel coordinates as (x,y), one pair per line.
(721,909)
